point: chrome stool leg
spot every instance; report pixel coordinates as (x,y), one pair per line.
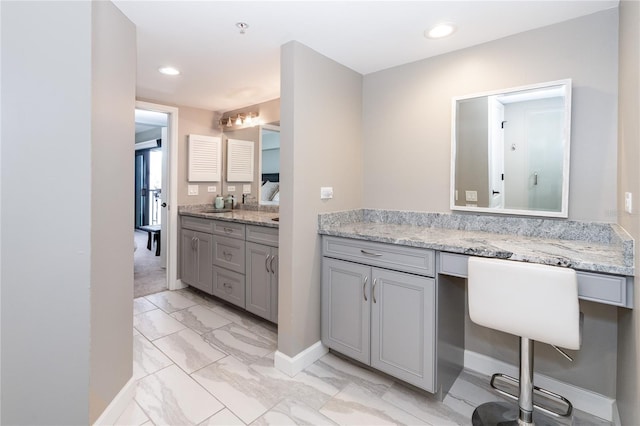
(506,414)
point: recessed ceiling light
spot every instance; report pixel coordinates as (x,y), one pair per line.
(440,30)
(168,71)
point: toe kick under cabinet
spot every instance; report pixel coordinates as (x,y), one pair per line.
(379,307)
(233,261)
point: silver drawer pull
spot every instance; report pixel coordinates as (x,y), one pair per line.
(273,271)
(228,287)
(370,253)
(364,289)
(227,256)
(228,230)
(266,263)
(373,290)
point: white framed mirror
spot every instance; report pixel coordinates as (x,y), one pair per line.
(510,150)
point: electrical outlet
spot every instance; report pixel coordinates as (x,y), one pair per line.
(471,195)
(192,190)
(246,188)
(628,202)
(212,188)
(326,192)
(231,188)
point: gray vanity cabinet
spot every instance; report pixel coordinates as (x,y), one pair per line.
(196,259)
(261,297)
(346,310)
(403,326)
(379,316)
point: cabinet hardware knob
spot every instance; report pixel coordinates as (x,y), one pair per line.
(370,253)
(373,290)
(364,289)
(227,256)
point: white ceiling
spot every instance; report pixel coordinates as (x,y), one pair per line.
(224,70)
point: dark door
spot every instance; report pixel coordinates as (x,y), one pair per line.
(141,188)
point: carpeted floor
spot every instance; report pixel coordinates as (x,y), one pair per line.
(148,274)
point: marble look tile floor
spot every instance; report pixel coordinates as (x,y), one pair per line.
(199,361)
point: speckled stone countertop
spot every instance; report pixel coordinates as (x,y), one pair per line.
(585,246)
(261,217)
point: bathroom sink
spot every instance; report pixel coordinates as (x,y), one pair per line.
(275,219)
(217,211)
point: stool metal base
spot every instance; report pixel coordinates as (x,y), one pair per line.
(506,414)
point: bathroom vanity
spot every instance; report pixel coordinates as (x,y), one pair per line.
(393,288)
(233,256)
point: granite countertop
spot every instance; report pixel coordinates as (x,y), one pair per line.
(249,217)
(605,248)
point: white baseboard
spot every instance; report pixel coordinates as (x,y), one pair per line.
(292,366)
(117,406)
(616,415)
(178,285)
(582,399)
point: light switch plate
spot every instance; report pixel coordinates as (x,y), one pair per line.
(212,188)
(246,188)
(471,195)
(628,202)
(193,190)
(326,192)
(231,188)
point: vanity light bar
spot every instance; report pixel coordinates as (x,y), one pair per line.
(248,119)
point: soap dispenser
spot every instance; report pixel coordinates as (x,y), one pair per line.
(219,202)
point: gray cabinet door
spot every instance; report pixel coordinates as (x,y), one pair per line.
(188,257)
(196,268)
(258,289)
(345,308)
(403,326)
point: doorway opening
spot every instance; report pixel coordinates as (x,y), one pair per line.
(150,269)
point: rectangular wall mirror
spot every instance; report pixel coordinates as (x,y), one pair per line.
(510,150)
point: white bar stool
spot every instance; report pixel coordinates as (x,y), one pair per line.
(534,302)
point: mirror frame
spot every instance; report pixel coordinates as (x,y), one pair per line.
(564,211)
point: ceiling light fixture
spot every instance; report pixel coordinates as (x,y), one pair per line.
(441,30)
(242,26)
(229,123)
(239,120)
(169,71)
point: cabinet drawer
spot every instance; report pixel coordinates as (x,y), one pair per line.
(229,286)
(453,264)
(229,253)
(407,259)
(228,229)
(197,224)
(263,235)
(602,288)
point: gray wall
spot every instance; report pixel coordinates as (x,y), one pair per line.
(49,263)
(321,145)
(415,155)
(407,113)
(113,101)
(629,181)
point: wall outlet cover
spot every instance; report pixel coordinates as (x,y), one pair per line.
(471,195)
(192,190)
(246,188)
(628,202)
(231,188)
(326,192)
(212,188)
